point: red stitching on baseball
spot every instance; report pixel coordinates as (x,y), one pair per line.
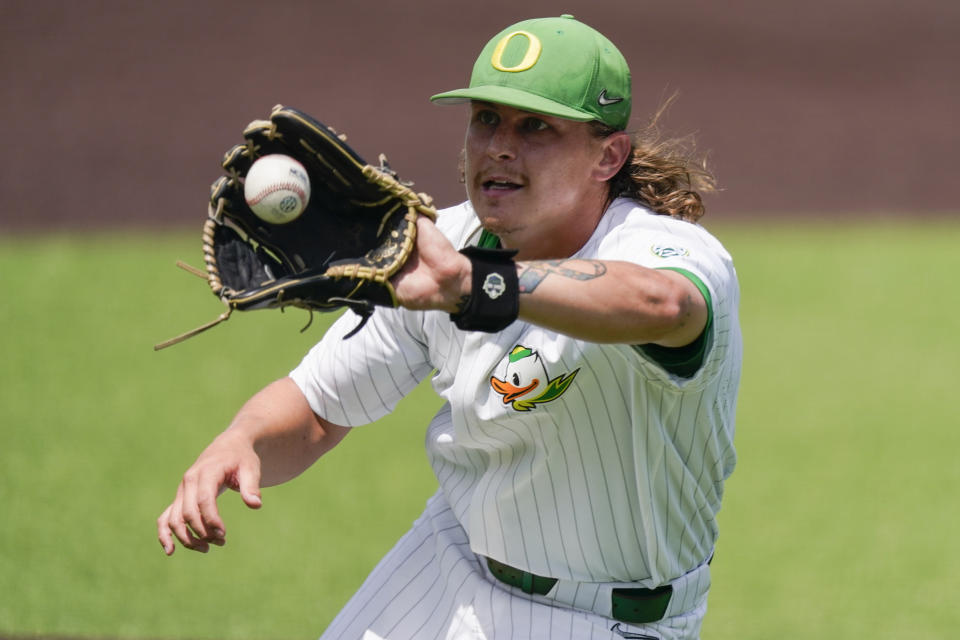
(291,186)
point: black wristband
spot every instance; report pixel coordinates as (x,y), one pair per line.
(494,301)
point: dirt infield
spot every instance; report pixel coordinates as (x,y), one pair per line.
(118,112)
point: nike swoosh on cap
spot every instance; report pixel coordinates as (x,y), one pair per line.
(604,101)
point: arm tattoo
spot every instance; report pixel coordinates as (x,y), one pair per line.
(533,273)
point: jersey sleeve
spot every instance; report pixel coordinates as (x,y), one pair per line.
(685,361)
(360,379)
(660,242)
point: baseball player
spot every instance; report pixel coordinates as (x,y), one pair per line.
(582,329)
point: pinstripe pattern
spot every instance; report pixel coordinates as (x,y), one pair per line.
(431,586)
(617,480)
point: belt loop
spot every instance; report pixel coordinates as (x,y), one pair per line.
(527,582)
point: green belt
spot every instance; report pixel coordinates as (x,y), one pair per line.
(633,606)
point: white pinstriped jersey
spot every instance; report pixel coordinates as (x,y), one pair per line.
(565,458)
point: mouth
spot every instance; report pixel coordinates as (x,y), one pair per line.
(500,184)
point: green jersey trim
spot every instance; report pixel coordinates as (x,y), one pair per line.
(684,361)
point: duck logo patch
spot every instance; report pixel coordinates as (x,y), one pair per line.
(526,382)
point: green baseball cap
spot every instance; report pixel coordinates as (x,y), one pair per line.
(555,66)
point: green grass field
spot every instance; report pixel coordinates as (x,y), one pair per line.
(837,523)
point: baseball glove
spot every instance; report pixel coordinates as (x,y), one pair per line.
(357,229)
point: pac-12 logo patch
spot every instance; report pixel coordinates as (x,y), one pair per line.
(669,251)
(526,383)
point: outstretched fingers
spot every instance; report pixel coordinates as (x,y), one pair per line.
(172,524)
(193,517)
(182,521)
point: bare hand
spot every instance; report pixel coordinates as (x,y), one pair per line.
(228,463)
(436,276)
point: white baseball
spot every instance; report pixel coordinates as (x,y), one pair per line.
(277,188)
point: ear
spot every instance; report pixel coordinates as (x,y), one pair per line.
(615,149)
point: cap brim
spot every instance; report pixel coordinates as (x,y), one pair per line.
(513,98)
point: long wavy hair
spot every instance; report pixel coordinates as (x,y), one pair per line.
(667,175)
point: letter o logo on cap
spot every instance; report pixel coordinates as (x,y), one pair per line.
(529,59)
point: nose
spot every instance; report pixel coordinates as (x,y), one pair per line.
(502,144)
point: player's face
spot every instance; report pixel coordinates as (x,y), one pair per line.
(536,181)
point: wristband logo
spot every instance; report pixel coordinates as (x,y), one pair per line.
(494,285)
(526,383)
(530,57)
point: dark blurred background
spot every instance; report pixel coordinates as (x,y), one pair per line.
(117,112)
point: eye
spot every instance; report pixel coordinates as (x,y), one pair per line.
(535,124)
(487,117)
